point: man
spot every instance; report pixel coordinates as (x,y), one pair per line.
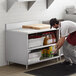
(68,29)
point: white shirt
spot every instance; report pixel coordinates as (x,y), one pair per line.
(67,27)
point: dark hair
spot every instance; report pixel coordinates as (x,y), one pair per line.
(53,21)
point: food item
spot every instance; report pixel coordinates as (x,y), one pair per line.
(46,40)
(47,53)
(52,50)
(43,53)
(50,40)
(54,38)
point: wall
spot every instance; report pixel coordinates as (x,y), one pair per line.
(19,13)
(57,8)
(2,34)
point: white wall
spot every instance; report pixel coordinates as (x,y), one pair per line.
(19,13)
(2,28)
(57,8)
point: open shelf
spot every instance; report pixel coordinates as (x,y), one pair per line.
(37,60)
(44,46)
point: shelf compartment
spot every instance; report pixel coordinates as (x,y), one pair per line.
(37,60)
(36,40)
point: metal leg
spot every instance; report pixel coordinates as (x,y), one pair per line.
(57,59)
(26,66)
(8,63)
(60,58)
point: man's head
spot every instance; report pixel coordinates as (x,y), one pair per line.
(54,23)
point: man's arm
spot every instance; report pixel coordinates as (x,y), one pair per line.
(60,42)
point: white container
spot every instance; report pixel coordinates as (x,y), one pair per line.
(35,55)
(33,60)
(36,42)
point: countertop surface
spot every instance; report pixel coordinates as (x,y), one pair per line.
(29,31)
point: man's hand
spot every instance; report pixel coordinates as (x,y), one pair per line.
(60,43)
(55,52)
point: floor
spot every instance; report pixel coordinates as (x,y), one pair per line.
(18,70)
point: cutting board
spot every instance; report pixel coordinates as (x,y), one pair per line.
(37,26)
